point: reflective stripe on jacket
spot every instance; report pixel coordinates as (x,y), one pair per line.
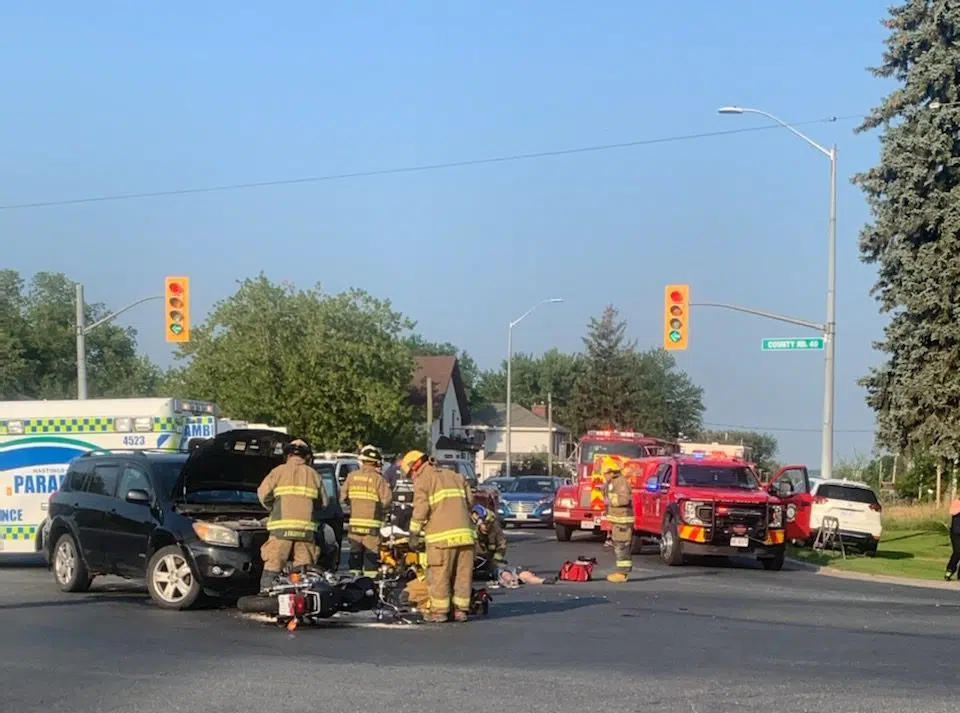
(441,508)
(620,500)
(292,492)
(369,496)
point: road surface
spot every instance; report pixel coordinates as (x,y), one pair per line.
(696,638)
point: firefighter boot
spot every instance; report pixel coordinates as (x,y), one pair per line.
(267,580)
(617,577)
(459,615)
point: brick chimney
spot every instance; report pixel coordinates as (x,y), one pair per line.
(540,410)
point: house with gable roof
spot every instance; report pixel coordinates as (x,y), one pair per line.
(452,419)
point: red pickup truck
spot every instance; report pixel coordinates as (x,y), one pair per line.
(714,506)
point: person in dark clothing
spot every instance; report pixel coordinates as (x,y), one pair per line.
(392,472)
(954,539)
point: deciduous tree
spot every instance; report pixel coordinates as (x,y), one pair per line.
(763,446)
(332,368)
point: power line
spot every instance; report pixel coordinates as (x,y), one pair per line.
(414,169)
(739,427)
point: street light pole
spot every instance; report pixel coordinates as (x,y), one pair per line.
(830,327)
(83,329)
(510,327)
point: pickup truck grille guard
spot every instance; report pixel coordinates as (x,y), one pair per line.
(723,521)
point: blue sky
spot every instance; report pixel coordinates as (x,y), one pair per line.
(117,97)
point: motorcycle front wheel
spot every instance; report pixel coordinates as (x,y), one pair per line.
(257,604)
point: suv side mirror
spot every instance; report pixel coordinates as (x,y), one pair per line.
(652,485)
(140,497)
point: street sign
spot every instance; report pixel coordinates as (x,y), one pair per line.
(790,345)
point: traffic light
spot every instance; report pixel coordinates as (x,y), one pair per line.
(176,308)
(676,317)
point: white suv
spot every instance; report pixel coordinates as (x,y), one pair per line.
(856,507)
(340,465)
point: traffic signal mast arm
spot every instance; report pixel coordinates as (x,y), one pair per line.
(87,328)
(761,313)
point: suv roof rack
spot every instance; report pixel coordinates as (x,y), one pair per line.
(142,452)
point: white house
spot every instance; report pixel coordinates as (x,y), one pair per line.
(451,408)
(530,433)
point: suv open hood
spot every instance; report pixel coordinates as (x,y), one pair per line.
(235,460)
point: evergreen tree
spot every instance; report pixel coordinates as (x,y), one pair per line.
(605,394)
(913,236)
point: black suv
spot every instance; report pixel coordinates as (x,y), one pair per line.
(189,525)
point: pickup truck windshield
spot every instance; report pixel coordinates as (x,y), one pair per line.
(711,476)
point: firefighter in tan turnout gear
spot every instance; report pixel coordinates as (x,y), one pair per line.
(620,517)
(292,492)
(369,496)
(441,514)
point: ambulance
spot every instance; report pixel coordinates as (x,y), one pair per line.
(38,439)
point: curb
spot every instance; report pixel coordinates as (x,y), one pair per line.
(876,578)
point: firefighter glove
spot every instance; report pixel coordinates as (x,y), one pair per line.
(414,541)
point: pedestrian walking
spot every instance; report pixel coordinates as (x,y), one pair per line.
(954,539)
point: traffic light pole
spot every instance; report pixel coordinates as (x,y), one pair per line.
(84,329)
(769,315)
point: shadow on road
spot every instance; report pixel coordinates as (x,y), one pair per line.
(509,610)
(80,600)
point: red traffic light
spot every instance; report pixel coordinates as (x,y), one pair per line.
(676,296)
(175,287)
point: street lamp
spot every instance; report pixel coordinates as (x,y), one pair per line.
(513,324)
(829,332)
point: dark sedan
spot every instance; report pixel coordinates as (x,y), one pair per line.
(528,500)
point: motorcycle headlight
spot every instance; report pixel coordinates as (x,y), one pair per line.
(216,534)
(776,516)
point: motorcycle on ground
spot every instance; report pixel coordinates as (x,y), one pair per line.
(309,596)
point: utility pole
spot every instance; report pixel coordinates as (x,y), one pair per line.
(550,433)
(430,416)
(83,329)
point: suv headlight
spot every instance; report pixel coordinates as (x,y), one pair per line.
(216,534)
(690,516)
(776,516)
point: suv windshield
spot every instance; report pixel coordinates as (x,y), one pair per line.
(849,493)
(713,476)
(628,450)
(530,485)
(167,471)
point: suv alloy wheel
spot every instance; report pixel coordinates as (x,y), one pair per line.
(170,580)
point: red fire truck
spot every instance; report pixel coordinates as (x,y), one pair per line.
(580,507)
(709,504)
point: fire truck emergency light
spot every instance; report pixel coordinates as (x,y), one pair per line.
(676,318)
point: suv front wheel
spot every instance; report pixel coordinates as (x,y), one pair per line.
(68,566)
(170,579)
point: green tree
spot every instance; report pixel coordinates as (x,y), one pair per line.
(469,371)
(332,368)
(666,401)
(38,344)
(763,446)
(553,372)
(912,238)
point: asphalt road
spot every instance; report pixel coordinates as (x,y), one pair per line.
(697,638)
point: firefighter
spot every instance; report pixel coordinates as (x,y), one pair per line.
(369,496)
(292,492)
(620,517)
(441,513)
(491,542)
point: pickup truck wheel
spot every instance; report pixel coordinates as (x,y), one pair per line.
(671,549)
(170,579)
(775,563)
(564,532)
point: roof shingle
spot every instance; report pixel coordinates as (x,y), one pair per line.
(495,416)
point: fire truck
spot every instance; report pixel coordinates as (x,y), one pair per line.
(580,507)
(709,505)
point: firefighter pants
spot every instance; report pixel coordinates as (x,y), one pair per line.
(622,536)
(364,556)
(450,572)
(275,553)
